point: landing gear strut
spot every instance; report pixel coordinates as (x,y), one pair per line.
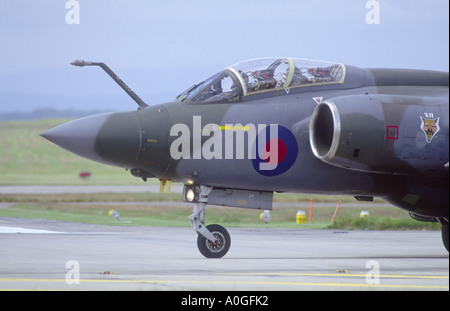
(213,241)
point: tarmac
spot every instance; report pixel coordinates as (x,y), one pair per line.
(49,255)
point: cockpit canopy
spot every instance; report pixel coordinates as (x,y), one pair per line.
(261,76)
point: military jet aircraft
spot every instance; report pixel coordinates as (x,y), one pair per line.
(283,125)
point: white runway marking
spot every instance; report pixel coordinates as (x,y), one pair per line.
(24,230)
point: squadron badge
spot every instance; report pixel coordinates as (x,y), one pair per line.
(430,126)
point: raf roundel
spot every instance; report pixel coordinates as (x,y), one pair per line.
(286,149)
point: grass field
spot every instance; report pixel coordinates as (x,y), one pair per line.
(28,159)
(156,209)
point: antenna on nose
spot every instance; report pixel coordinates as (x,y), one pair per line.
(126,88)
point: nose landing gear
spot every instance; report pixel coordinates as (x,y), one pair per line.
(214,240)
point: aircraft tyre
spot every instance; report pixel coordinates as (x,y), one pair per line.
(445,235)
(214,250)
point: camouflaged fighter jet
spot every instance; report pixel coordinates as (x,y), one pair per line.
(284,125)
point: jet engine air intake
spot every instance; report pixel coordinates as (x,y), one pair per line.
(361,133)
(324,131)
(349,132)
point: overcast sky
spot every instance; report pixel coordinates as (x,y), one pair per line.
(160,48)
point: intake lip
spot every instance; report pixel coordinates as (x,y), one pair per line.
(325,131)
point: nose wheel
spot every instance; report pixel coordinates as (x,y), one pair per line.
(217,248)
(214,240)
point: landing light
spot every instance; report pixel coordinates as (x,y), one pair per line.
(190,195)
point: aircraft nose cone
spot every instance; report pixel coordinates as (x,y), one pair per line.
(78,136)
(110,138)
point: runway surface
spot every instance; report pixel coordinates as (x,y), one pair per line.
(49,255)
